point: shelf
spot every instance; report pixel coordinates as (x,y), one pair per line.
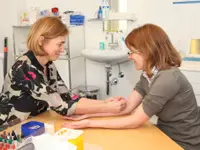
(21,26)
(112,19)
(28,26)
(95,19)
(117,16)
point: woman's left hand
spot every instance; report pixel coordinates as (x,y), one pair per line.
(77,124)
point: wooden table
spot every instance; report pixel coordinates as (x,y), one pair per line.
(147,137)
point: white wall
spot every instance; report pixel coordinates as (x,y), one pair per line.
(9,16)
(180,21)
(88,7)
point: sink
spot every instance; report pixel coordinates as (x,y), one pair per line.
(106,56)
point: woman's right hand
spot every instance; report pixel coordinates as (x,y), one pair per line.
(116,106)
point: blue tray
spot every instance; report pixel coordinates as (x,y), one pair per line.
(32,128)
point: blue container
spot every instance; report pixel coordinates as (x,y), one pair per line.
(32,128)
(77,19)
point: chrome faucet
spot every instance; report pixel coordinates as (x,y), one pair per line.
(112,45)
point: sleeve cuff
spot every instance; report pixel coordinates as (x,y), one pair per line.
(148,111)
(141,92)
(72,109)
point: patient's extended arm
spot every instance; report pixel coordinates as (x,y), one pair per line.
(133,101)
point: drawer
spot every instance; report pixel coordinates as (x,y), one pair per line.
(192,76)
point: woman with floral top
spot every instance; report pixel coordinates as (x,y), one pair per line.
(33,84)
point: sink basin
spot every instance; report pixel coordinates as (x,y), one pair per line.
(105,56)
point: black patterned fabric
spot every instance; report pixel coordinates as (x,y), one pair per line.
(27,91)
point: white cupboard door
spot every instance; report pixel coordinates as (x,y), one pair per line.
(76,40)
(77,72)
(63,69)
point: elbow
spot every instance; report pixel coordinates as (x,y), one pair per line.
(127,112)
(135,125)
(135,122)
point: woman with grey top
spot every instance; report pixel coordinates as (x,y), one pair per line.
(162,91)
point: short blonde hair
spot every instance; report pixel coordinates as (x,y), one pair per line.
(154,44)
(49,28)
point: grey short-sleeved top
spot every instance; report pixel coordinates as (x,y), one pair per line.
(170,96)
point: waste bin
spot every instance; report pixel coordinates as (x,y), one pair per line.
(91,92)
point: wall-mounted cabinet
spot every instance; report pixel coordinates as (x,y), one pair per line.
(71,65)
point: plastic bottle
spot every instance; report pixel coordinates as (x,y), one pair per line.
(105,9)
(101,45)
(100,13)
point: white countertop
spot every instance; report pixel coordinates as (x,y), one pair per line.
(190,66)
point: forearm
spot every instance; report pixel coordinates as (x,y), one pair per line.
(86,106)
(126,111)
(92,101)
(102,115)
(96,109)
(136,119)
(116,123)
(130,107)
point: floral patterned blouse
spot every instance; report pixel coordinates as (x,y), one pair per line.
(28,91)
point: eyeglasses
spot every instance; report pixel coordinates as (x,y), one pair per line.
(133,52)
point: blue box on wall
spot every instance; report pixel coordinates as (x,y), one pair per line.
(77,19)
